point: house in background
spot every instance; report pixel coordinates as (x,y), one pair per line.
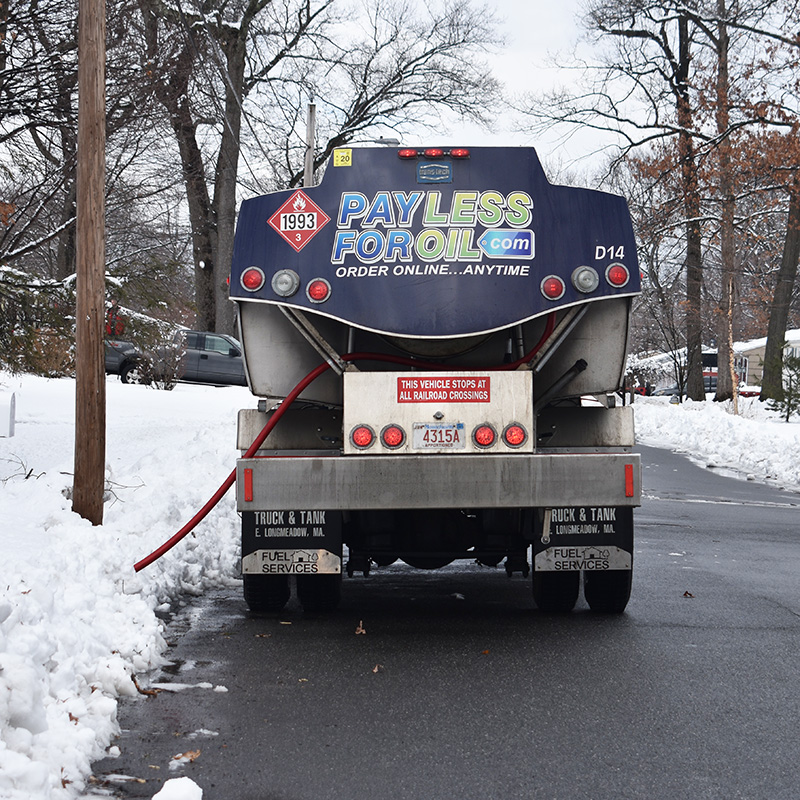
(750,355)
(658,370)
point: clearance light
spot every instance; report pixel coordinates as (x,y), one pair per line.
(585,279)
(285,282)
(433,152)
(393,436)
(318,291)
(253,279)
(617,275)
(515,435)
(484,435)
(407,152)
(459,152)
(553,287)
(362,437)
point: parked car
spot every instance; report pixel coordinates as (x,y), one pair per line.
(126,360)
(199,356)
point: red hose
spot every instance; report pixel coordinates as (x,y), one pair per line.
(290,398)
(228,482)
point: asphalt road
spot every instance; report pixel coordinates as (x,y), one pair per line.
(460,689)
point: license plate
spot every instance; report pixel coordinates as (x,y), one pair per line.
(438,436)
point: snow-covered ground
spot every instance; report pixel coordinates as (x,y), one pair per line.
(77,624)
(756,443)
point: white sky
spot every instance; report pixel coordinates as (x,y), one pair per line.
(533,30)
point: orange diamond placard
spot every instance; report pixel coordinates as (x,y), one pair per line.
(298,220)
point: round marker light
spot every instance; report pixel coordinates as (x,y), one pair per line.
(253,279)
(434,152)
(285,282)
(407,152)
(553,287)
(484,435)
(318,291)
(362,436)
(515,435)
(393,436)
(585,279)
(617,275)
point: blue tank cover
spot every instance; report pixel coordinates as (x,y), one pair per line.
(434,247)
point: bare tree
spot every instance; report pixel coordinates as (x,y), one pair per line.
(215,73)
(645,92)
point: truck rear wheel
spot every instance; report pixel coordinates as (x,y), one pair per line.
(264,593)
(556,591)
(319,593)
(608,592)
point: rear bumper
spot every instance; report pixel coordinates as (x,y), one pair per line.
(438,481)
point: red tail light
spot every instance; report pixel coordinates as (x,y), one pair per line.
(617,275)
(515,435)
(407,152)
(459,152)
(362,436)
(318,291)
(434,152)
(253,279)
(484,435)
(393,436)
(553,287)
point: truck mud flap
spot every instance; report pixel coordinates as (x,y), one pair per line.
(584,538)
(297,542)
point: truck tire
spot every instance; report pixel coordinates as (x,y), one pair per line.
(556,591)
(608,592)
(134,372)
(266,593)
(319,594)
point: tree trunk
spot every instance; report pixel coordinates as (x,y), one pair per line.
(225,181)
(725,376)
(772,379)
(694,254)
(200,214)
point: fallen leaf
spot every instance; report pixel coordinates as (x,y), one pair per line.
(263,635)
(285,623)
(360,628)
(377,668)
(484,652)
(302,680)
(189,755)
(688,594)
(72,718)
(148,692)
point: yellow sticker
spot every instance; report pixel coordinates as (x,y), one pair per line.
(343,158)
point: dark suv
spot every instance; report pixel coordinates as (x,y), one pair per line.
(200,356)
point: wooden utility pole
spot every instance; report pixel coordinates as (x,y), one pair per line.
(90,395)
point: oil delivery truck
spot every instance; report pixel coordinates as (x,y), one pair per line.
(423,331)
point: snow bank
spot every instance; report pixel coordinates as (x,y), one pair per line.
(757,442)
(76,623)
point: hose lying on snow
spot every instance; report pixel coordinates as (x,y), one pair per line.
(290,398)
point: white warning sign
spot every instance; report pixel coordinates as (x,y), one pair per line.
(291,562)
(587,558)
